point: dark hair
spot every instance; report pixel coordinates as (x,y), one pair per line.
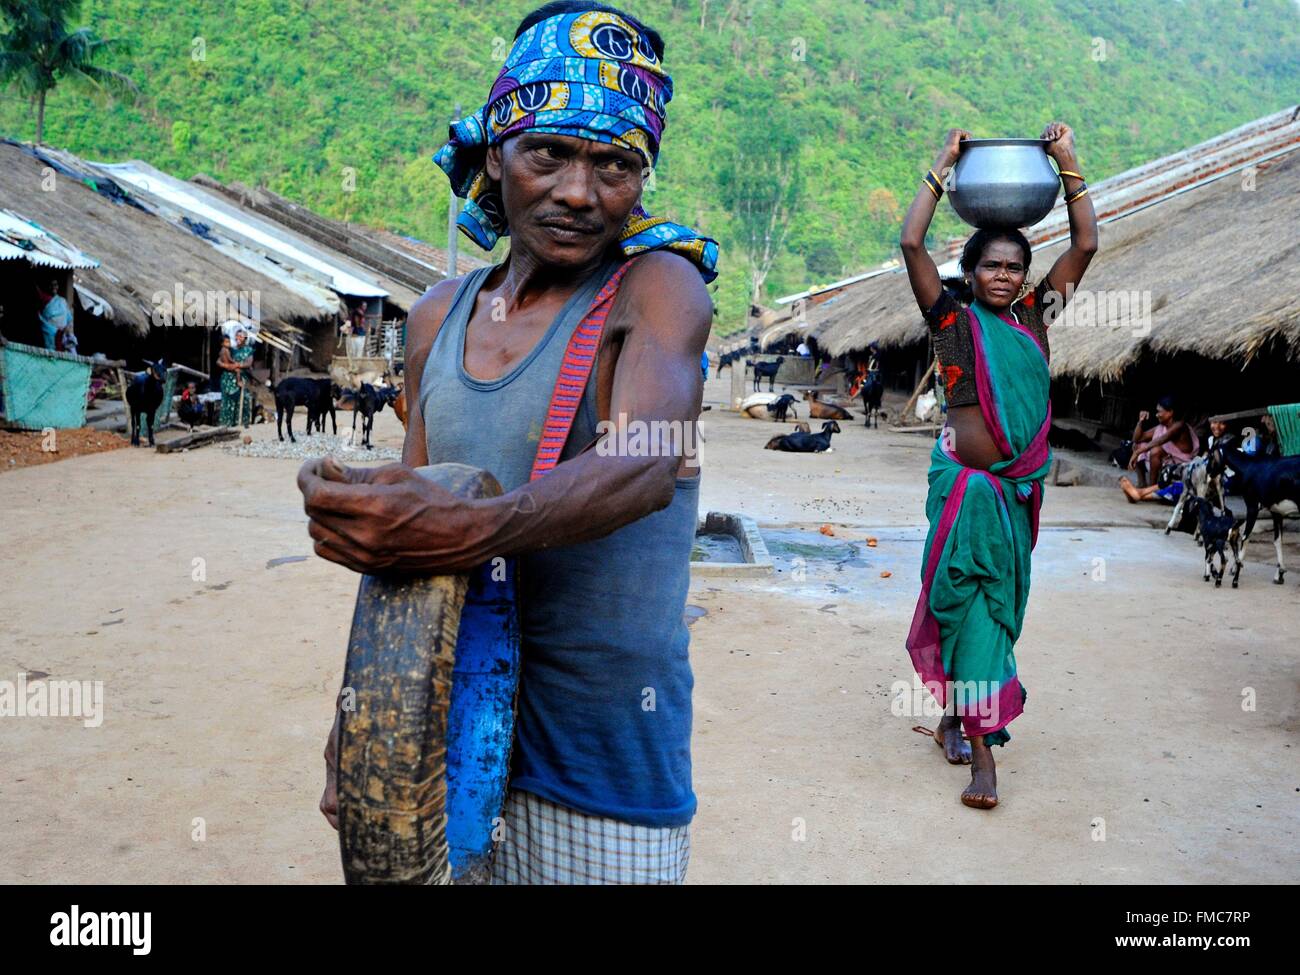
(974,250)
(1170,404)
(558,7)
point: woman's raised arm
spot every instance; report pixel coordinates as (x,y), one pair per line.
(921,272)
(1067,272)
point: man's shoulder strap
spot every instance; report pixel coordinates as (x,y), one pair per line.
(575,370)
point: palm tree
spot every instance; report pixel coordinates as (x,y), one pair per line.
(38,49)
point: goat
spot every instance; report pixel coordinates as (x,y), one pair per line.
(781,406)
(1272,483)
(766,370)
(399,407)
(1197,483)
(805,443)
(818,410)
(873,391)
(144,394)
(315,394)
(1216,531)
(727,358)
(367,401)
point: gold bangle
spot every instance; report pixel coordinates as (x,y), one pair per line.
(1076,196)
(929,186)
(1070,172)
(932,181)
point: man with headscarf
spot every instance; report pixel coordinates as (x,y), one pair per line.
(600,787)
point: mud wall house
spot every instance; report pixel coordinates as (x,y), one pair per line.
(1193,291)
(126,306)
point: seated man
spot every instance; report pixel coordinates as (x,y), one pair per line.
(600,787)
(1171,440)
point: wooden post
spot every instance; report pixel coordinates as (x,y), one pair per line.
(453,211)
(916,393)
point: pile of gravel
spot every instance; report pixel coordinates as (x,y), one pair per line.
(319,445)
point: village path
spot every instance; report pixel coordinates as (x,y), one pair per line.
(219,691)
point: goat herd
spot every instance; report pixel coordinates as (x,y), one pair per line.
(323,396)
(1269,484)
(320,397)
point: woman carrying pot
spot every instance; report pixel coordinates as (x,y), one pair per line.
(987,469)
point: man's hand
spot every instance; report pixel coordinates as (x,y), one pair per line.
(388,518)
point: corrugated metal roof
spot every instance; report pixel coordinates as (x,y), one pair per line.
(244,227)
(24,239)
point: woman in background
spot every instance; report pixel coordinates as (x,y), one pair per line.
(987,469)
(235,363)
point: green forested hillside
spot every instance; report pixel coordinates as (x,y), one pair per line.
(340,103)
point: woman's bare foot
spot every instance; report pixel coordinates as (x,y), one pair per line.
(1129,490)
(948,737)
(982,793)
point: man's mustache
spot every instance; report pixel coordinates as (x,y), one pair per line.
(569,223)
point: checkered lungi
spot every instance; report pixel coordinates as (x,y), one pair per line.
(546,843)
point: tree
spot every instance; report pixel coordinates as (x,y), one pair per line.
(39,49)
(761,184)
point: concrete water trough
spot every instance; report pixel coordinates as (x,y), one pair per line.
(728,544)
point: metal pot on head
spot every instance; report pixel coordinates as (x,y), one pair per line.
(1003,183)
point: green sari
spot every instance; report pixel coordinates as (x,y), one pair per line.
(230,391)
(983,525)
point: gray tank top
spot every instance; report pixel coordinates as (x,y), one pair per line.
(496,424)
(604,709)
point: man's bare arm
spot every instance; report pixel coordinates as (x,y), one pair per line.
(391,519)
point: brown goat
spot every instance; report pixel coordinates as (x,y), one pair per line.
(824,411)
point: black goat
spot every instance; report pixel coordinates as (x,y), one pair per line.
(1272,483)
(144,394)
(317,395)
(1216,531)
(367,401)
(766,370)
(873,391)
(805,443)
(781,406)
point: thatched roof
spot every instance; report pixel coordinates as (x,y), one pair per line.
(1217,264)
(139,253)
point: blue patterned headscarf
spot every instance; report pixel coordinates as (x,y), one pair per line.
(592,75)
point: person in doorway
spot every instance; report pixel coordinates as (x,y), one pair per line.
(55,315)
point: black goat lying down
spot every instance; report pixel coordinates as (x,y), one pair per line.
(805,443)
(1271,483)
(144,394)
(367,401)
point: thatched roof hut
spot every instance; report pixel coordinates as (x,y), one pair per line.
(140,255)
(1208,269)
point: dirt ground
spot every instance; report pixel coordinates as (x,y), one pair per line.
(24,448)
(185,583)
